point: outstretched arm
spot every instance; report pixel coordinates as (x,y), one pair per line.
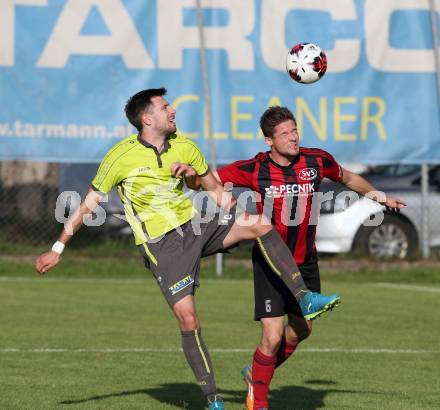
(48,260)
(359,184)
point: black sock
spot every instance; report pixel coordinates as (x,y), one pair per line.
(280,259)
(198,358)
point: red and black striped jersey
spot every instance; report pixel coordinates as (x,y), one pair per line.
(285,193)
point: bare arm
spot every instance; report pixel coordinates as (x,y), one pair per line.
(210,182)
(217,177)
(359,184)
(50,259)
(195,182)
(181,170)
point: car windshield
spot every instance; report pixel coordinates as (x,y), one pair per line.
(397,170)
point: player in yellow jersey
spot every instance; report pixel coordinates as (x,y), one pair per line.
(148,170)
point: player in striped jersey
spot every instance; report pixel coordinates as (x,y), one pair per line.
(286,179)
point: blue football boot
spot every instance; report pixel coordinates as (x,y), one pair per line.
(313,304)
(217,404)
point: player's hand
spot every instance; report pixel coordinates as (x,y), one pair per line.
(46,261)
(179,169)
(393,205)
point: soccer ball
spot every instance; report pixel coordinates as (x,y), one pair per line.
(306,63)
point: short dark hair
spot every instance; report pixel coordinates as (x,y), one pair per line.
(272,117)
(140,102)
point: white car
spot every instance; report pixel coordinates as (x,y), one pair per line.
(361,224)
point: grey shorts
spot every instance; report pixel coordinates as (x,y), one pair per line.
(175,258)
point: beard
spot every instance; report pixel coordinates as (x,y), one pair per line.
(172,129)
(169,129)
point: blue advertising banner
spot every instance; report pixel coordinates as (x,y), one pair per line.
(68,67)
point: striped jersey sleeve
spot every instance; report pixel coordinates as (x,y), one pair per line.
(240,173)
(331,168)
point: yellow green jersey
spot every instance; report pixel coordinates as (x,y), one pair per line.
(153,200)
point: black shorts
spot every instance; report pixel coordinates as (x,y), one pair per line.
(272,297)
(175,258)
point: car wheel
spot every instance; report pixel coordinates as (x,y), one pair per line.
(393,238)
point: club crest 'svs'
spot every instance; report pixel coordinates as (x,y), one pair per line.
(308,174)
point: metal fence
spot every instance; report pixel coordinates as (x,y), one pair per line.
(29,193)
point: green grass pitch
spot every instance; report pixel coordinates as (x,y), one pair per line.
(118,345)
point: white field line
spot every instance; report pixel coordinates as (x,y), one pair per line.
(146,280)
(417,288)
(177,350)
